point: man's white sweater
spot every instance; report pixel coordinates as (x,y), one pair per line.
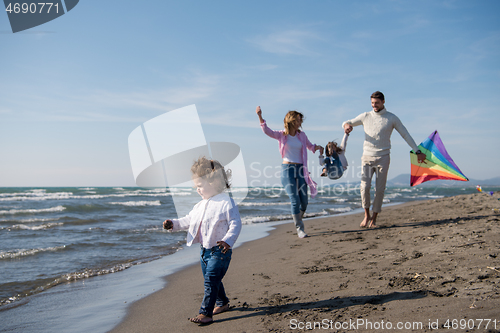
(378,128)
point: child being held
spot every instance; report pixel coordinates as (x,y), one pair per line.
(215,223)
(335,162)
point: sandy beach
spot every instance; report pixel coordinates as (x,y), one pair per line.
(429,265)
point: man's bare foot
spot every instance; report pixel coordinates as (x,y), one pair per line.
(220,309)
(201,319)
(373,221)
(365,221)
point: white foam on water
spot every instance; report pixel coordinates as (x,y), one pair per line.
(137,203)
(248,204)
(33,211)
(12,254)
(35,227)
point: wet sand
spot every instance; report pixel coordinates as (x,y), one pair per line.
(428,262)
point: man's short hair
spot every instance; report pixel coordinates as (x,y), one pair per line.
(379,95)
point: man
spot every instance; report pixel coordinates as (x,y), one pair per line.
(378,125)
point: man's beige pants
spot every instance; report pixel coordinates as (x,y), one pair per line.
(378,165)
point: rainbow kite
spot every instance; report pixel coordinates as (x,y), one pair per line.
(438,164)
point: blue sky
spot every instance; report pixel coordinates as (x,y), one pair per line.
(73,89)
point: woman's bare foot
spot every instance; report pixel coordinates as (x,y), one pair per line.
(201,319)
(220,309)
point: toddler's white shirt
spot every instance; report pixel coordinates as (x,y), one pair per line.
(211,220)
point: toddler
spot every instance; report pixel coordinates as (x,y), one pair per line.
(335,161)
(215,223)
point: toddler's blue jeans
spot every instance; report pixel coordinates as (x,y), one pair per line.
(214,265)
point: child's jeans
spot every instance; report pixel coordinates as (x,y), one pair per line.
(292,179)
(214,265)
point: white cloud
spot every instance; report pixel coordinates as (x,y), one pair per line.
(115,106)
(295,42)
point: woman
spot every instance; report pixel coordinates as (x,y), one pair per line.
(293,145)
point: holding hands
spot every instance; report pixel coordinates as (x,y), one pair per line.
(347,128)
(168,224)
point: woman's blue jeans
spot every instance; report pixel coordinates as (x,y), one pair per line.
(292,179)
(214,265)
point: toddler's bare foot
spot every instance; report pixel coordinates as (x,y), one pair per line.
(220,309)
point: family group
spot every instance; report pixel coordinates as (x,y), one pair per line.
(215,221)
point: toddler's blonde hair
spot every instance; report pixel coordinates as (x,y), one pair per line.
(332,147)
(213,172)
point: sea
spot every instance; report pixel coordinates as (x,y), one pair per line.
(66,237)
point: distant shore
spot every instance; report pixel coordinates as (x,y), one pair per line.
(428,262)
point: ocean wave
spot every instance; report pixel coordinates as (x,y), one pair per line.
(137,203)
(255,219)
(75,276)
(338,210)
(49,283)
(32,220)
(42,196)
(392,195)
(239,189)
(247,204)
(33,211)
(265,190)
(35,196)
(338,199)
(430,196)
(405,189)
(34,227)
(275,218)
(13,254)
(267,218)
(95,272)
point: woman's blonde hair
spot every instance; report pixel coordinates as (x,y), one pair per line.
(290,117)
(213,172)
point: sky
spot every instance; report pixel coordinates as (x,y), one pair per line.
(73,89)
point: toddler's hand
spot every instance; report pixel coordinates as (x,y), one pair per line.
(224,246)
(168,224)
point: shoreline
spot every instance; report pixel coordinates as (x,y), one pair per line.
(404,270)
(105,298)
